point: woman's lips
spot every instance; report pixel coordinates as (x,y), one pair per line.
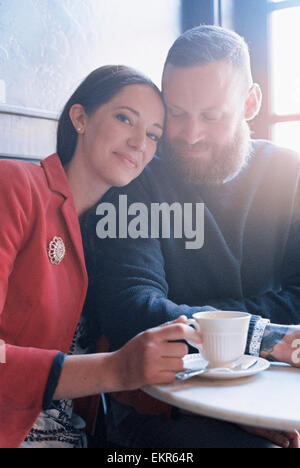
(127,159)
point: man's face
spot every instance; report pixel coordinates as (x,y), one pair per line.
(207,136)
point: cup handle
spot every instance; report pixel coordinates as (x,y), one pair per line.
(195,324)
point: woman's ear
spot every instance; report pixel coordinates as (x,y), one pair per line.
(78,117)
(253,102)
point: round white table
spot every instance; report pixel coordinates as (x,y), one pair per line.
(270,399)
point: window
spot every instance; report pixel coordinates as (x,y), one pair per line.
(284,23)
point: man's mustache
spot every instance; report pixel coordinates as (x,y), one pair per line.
(182,146)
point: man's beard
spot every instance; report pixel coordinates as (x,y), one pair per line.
(223,164)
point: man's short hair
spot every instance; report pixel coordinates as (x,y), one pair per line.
(206,44)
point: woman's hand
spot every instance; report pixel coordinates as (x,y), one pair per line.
(154,356)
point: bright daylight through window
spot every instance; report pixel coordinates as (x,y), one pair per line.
(285,75)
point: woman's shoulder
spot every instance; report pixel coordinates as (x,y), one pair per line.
(18,174)
(20,181)
(18,168)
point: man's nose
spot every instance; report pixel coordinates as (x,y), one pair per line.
(193,131)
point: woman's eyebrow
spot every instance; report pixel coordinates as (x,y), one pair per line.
(130,109)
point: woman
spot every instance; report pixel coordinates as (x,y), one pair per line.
(107,133)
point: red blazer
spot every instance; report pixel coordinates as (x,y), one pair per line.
(40,302)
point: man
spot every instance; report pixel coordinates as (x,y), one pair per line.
(249,258)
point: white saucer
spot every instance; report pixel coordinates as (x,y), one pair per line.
(196,361)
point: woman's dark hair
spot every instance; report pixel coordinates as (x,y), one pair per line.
(98,88)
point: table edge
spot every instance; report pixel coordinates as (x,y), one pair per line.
(234,417)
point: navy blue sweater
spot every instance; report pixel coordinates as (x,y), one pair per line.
(249,260)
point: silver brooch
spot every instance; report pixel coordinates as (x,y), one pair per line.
(56,250)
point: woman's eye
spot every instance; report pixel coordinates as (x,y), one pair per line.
(123,118)
(153,137)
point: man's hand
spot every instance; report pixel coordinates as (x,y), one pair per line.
(281,343)
(154,356)
(282,439)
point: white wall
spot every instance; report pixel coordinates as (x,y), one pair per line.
(48,46)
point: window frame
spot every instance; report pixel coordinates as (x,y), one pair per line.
(253,23)
(251,19)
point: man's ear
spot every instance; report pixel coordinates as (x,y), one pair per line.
(253,102)
(78,117)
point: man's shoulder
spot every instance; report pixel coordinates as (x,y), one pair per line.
(267,151)
(273,169)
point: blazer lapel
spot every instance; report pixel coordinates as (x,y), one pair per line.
(58,182)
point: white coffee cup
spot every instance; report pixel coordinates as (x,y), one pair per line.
(224,335)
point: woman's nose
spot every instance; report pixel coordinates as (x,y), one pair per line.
(137,140)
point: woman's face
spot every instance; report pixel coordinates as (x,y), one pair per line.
(120,138)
